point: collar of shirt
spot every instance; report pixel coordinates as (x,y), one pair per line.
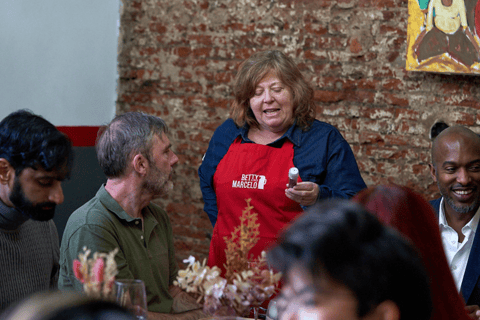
(472,224)
(112,205)
(10,218)
(294,134)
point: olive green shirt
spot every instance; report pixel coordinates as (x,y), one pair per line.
(102,225)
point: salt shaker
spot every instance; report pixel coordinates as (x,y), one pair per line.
(292,177)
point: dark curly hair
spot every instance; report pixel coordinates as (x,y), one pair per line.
(29,141)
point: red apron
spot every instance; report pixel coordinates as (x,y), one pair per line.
(258,172)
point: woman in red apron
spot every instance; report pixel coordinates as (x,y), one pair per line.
(272,129)
(257,170)
(260,173)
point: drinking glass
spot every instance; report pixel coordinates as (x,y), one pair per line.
(272,310)
(130,294)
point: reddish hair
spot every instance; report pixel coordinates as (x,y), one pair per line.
(410,214)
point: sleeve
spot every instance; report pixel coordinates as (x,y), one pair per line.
(55,256)
(221,140)
(96,239)
(342,178)
(326,158)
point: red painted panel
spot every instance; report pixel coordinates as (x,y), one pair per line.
(81,136)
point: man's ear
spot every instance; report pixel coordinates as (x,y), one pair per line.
(433,171)
(6,171)
(387,310)
(140,164)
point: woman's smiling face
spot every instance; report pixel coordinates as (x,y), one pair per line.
(272,104)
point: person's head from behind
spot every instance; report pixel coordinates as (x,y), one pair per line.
(401,208)
(137,141)
(66,306)
(436,128)
(455,168)
(269,88)
(340,262)
(405,210)
(34,159)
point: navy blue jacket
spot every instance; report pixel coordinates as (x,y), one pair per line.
(321,155)
(470,285)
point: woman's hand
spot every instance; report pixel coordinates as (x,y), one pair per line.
(305,193)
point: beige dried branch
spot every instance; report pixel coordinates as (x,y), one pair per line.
(243,238)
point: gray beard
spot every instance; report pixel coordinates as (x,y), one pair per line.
(451,203)
(458,209)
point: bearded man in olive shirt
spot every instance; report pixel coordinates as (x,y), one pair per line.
(135,155)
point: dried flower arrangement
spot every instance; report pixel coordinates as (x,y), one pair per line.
(247,283)
(97,274)
(243,238)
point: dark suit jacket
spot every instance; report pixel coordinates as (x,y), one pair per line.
(471,280)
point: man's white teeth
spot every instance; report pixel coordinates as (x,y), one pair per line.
(463,192)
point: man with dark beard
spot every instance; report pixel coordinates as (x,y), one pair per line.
(34,159)
(455,168)
(136,156)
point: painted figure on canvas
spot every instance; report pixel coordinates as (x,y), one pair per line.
(443,36)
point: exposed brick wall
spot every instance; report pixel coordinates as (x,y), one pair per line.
(177,59)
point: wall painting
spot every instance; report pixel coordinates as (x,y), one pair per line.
(443,36)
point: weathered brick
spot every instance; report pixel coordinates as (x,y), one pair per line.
(178,60)
(329,96)
(395,99)
(355,46)
(377,113)
(407,114)
(315,29)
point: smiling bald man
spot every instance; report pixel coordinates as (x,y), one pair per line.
(455,168)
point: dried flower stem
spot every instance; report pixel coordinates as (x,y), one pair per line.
(243,238)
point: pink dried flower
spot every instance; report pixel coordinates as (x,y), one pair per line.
(98,270)
(96,274)
(77,270)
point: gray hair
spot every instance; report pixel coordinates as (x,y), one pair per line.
(128,134)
